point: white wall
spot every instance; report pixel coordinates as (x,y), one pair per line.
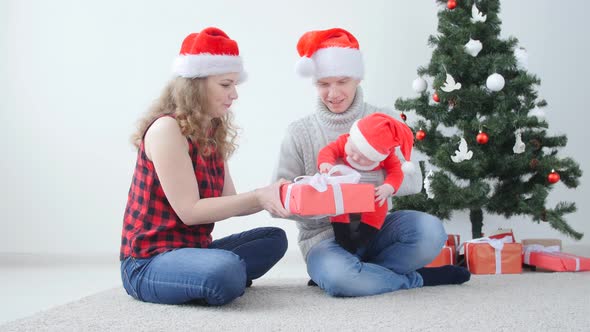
(75,76)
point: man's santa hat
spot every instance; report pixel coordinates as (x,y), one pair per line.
(377,135)
(329,53)
(209,52)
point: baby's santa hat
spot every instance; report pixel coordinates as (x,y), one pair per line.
(377,135)
(329,53)
(209,52)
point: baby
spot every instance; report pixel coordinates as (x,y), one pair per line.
(370,145)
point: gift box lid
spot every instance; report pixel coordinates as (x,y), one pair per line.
(543,242)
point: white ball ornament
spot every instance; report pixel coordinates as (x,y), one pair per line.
(419,85)
(495,82)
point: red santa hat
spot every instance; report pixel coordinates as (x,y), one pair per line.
(209,52)
(329,53)
(377,135)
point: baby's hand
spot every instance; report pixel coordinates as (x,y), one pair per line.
(325,167)
(383,192)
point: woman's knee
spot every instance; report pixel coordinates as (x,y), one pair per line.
(225,279)
(278,241)
(280,237)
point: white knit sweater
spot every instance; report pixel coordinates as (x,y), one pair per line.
(298,156)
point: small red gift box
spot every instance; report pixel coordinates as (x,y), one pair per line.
(305,200)
(446,257)
(453,240)
(549,258)
(488,256)
(502,233)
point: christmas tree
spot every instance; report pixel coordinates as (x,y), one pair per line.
(481,124)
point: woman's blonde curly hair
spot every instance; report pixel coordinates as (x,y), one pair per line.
(185,98)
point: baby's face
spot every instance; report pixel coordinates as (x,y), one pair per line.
(353,153)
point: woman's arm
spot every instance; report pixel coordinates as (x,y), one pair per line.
(229,190)
(167,148)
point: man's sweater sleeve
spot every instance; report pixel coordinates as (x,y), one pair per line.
(290,164)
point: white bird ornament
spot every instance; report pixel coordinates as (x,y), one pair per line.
(450,84)
(463,153)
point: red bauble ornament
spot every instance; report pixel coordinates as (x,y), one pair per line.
(420,134)
(435,97)
(482,138)
(451,4)
(404,117)
(553,177)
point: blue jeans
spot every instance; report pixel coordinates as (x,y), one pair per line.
(407,241)
(216,275)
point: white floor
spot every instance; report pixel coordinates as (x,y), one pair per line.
(32,283)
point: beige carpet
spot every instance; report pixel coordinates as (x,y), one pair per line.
(532,301)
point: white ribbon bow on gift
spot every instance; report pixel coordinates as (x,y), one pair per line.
(553,250)
(497,244)
(320,182)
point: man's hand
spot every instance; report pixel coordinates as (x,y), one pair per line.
(383,192)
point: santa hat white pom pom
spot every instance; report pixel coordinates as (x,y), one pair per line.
(408,167)
(305,67)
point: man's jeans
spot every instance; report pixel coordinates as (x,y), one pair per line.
(407,241)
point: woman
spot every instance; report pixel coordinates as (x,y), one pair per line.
(182,186)
(408,240)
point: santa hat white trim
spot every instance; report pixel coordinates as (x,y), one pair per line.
(333,62)
(204,64)
(363,145)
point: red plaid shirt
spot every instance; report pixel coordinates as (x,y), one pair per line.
(150,224)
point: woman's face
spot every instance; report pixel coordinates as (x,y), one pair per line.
(337,93)
(221,92)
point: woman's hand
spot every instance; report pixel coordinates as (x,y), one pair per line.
(269,198)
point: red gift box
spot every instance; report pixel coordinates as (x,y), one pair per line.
(453,240)
(502,233)
(446,257)
(483,258)
(305,200)
(549,258)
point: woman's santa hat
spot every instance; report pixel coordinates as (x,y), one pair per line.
(209,52)
(377,135)
(329,53)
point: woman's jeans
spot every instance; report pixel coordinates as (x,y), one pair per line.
(216,275)
(407,241)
